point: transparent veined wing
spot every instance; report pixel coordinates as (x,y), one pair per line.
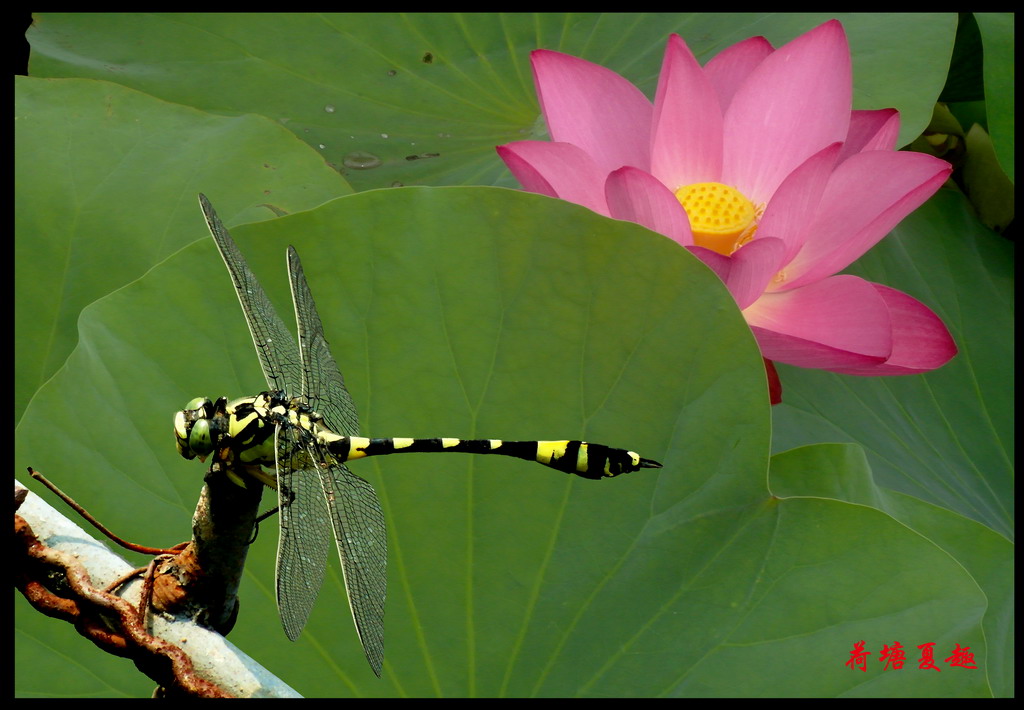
(278,353)
(358,523)
(355,513)
(305,530)
(317,497)
(322,383)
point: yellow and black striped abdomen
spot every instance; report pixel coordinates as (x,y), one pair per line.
(594,461)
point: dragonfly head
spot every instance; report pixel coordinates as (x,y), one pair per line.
(200,426)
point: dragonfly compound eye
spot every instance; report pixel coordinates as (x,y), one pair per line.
(193,432)
(200,439)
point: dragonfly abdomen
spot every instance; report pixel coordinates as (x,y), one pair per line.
(594,461)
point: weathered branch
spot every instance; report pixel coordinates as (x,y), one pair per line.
(66,574)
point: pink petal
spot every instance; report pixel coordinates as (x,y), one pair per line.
(746,272)
(593,108)
(687,140)
(636,196)
(796,102)
(920,341)
(793,205)
(557,170)
(866,197)
(839,322)
(753,266)
(728,69)
(719,263)
(871,130)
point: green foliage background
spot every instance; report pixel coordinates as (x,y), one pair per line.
(456,306)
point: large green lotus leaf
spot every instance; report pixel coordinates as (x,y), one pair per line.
(841,472)
(946,436)
(526,317)
(102,175)
(424,98)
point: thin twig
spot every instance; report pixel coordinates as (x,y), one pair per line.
(99,526)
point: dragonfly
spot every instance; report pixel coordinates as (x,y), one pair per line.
(304,428)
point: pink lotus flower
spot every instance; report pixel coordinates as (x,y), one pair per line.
(757,165)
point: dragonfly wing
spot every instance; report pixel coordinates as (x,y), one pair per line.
(278,353)
(355,513)
(322,383)
(358,523)
(305,531)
